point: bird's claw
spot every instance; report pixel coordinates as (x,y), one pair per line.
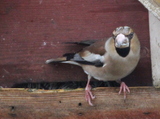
(88,95)
(124,88)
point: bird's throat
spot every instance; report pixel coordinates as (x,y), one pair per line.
(123,52)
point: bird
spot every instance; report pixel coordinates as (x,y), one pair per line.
(108,59)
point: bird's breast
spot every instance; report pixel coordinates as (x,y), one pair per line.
(113,69)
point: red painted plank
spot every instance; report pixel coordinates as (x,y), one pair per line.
(33,31)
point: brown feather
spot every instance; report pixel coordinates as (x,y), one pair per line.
(96,48)
(135,43)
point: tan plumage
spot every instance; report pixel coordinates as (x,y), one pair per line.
(108,59)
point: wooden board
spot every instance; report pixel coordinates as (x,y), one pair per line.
(33,31)
(153,6)
(155,45)
(142,102)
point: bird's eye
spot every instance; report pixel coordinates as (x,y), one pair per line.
(114,37)
(130,36)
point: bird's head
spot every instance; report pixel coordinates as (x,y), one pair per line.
(122,36)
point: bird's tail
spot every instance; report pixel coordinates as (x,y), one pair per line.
(67,58)
(58,60)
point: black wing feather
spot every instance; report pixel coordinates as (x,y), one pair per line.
(76,58)
(85,42)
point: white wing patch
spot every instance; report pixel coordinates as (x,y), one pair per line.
(91,57)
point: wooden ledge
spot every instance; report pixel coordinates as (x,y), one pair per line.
(142,102)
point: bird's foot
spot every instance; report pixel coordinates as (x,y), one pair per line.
(124,88)
(88,95)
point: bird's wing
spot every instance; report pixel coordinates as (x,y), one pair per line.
(92,55)
(84,42)
(95,48)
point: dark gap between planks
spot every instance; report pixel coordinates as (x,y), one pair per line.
(66,85)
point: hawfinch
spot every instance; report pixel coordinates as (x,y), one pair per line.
(109,59)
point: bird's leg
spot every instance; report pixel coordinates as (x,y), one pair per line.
(124,88)
(88,94)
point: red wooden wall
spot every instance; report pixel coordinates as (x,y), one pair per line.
(32,31)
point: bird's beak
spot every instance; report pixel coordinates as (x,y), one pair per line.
(121,41)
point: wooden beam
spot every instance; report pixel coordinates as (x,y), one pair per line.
(142,102)
(154,24)
(153,6)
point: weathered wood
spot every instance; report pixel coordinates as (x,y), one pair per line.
(33,31)
(155,46)
(142,102)
(153,6)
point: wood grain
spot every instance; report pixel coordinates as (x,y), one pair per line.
(153,6)
(34,31)
(155,45)
(142,102)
